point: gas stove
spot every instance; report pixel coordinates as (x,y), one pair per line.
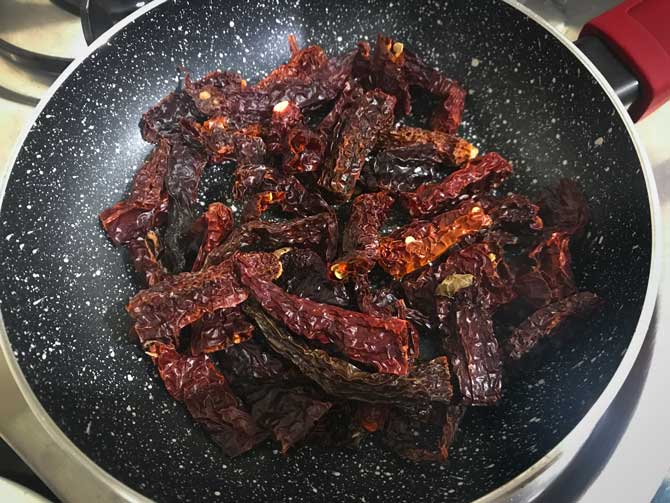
(38,39)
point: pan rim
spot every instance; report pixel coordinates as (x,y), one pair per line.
(526,485)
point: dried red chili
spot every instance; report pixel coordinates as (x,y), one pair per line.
(427,382)
(210,401)
(472,346)
(144,254)
(303,63)
(334,361)
(360,239)
(550,278)
(475,176)
(546,321)
(563,208)
(447,116)
(220,329)
(217,222)
(402,169)
(133,217)
(421,242)
(381,343)
(305,274)
(162,310)
(452,150)
(355,135)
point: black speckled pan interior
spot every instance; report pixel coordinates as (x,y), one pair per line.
(64,287)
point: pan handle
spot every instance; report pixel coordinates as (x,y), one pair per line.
(637,34)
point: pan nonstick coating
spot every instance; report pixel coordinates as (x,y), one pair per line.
(63,286)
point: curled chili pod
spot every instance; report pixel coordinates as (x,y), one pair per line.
(318,232)
(402,169)
(186,165)
(211,92)
(380,343)
(351,93)
(304,151)
(427,382)
(471,346)
(451,149)
(144,254)
(478,175)
(550,278)
(163,120)
(355,135)
(360,239)
(219,330)
(133,217)
(286,115)
(481,263)
(161,311)
(302,64)
(547,320)
(252,362)
(387,72)
(448,114)
(220,139)
(195,381)
(515,213)
(420,242)
(289,413)
(305,274)
(217,222)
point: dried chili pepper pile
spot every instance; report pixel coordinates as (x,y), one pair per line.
(295,314)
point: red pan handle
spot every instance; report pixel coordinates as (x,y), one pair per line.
(638,33)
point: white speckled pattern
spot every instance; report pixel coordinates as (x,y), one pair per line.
(64,286)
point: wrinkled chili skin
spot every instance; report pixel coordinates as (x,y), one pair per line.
(547,320)
(305,274)
(428,381)
(289,413)
(420,242)
(402,169)
(550,278)
(381,343)
(448,114)
(475,176)
(355,135)
(302,64)
(251,362)
(144,255)
(450,149)
(162,310)
(304,151)
(285,116)
(163,120)
(217,222)
(360,238)
(310,327)
(472,347)
(318,232)
(132,218)
(210,401)
(220,329)
(185,167)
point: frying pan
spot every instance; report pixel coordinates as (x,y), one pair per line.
(533,97)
